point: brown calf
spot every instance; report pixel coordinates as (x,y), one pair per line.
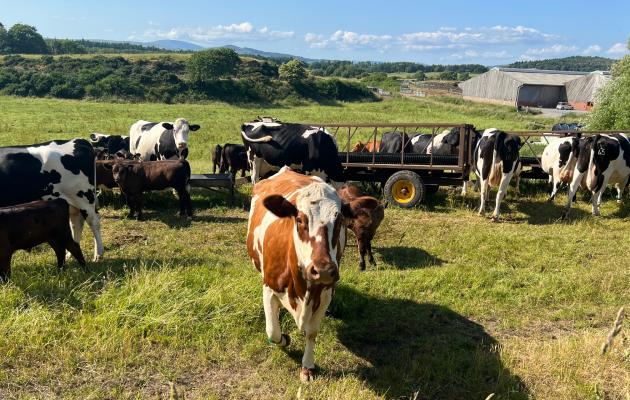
(134,178)
(365,222)
(369,147)
(24,226)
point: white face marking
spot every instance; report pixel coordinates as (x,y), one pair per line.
(180,132)
(310,132)
(321,206)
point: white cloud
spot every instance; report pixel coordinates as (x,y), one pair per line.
(244,31)
(618,48)
(546,52)
(592,49)
(491,55)
(349,40)
(443,39)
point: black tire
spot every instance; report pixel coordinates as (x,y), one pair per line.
(431,189)
(404,189)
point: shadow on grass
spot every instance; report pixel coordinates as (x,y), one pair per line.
(421,348)
(545,213)
(403,257)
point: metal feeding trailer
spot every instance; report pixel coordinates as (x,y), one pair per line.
(408,177)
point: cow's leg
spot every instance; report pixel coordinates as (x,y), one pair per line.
(60,251)
(76,226)
(575,183)
(94,221)
(362,250)
(505,181)
(137,200)
(271,305)
(5,265)
(185,203)
(465,188)
(517,184)
(369,249)
(483,191)
(311,328)
(75,249)
(554,189)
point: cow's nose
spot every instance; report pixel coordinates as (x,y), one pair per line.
(323,273)
(181,145)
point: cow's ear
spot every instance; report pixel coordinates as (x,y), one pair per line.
(194,127)
(280,206)
(168,126)
(365,202)
(92,137)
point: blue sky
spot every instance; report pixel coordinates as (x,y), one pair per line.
(450,32)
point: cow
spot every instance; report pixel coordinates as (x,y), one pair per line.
(24,226)
(445,143)
(134,178)
(216,158)
(558,160)
(295,239)
(234,159)
(496,159)
(160,140)
(109,145)
(104,176)
(372,146)
(366,221)
(272,145)
(394,142)
(601,160)
(58,169)
(420,142)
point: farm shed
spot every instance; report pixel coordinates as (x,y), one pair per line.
(529,87)
(581,92)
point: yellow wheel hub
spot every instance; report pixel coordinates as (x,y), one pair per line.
(403,191)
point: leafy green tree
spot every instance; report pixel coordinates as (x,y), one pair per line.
(25,39)
(4,40)
(419,76)
(463,76)
(448,76)
(612,106)
(293,72)
(209,65)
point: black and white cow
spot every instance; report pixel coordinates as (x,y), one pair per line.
(445,143)
(558,160)
(160,140)
(59,169)
(496,159)
(272,145)
(601,160)
(111,144)
(420,143)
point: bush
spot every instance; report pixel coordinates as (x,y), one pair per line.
(68,90)
(212,64)
(612,106)
(293,72)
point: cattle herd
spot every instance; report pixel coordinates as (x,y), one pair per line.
(296,230)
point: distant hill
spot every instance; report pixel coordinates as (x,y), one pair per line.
(174,45)
(248,51)
(574,63)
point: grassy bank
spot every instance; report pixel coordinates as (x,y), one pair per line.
(457,308)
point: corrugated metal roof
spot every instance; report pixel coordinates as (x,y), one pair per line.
(585,88)
(541,77)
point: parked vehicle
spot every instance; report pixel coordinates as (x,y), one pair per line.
(563,105)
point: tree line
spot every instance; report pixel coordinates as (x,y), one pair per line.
(574,63)
(350,69)
(214,74)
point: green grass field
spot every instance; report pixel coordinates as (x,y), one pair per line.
(457,308)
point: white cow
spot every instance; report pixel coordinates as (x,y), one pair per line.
(160,140)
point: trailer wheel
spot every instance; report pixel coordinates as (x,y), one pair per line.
(404,189)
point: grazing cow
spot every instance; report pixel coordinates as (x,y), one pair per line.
(110,144)
(233,159)
(134,178)
(393,142)
(160,140)
(104,176)
(58,169)
(24,226)
(366,221)
(369,147)
(216,158)
(272,145)
(295,238)
(604,159)
(558,160)
(496,159)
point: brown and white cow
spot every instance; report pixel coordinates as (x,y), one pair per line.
(295,238)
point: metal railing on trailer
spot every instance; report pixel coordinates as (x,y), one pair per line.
(406,176)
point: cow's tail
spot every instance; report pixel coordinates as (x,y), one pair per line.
(263,139)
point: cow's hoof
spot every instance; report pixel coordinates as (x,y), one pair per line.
(362,266)
(495,218)
(285,341)
(619,201)
(96,258)
(307,374)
